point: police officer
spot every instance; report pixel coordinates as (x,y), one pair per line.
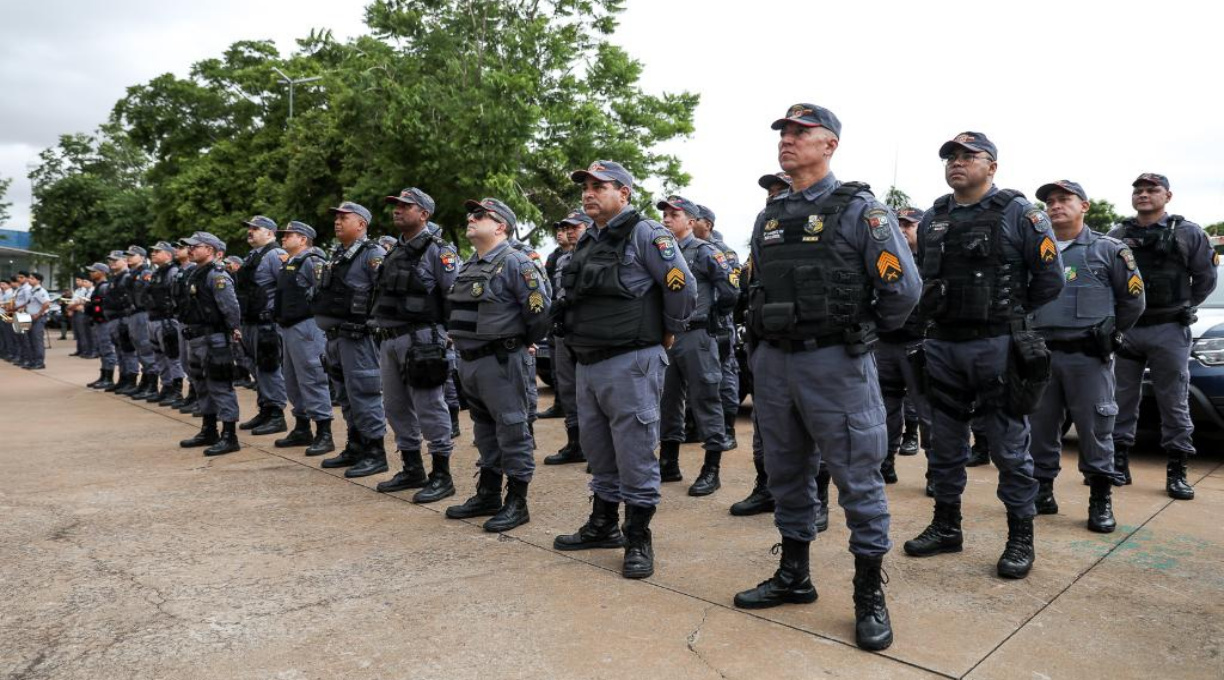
(256,286)
(628,290)
(211,321)
(95,310)
(694,372)
(571,230)
(533,394)
(898,379)
(499,306)
(304,343)
(138,281)
(37,306)
(341,307)
(564,246)
(728,389)
(179,290)
(1102,298)
(117,306)
(988,260)
(163,328)
(409,311)
(830,265)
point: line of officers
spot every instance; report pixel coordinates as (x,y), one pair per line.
(983,312)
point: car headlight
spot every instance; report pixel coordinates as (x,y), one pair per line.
(1209,351)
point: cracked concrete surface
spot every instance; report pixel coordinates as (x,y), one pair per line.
(124,556)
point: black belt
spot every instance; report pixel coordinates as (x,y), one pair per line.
(193,332)
(353,331)
(1084,345)
(966,333)
(1157,318)
(695,325)
(791,346)
(594,356)
(899,337)
(393,332)
(502,348)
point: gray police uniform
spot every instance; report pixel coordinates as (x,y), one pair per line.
(995,261)
(1179,272)
(138,282)
(97,317)
(499,306)
(899,381)
(179,292)
(624,288)
(1103,295)
(210,316)
(256,287)
(341,307)
(117,305)
(409,312)
(34,335)
(304,342)
(163,327)
(562,360)
(729,387)
(533,394)
(694,372)
(450,389)
(829,265)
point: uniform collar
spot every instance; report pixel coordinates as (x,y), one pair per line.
(818,190)
(492,254)
(683,243)
(994,189)
(597,232)
(1085,236)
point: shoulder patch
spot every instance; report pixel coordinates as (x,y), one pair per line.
(1128,257)
(220,282)
(535,302)
(530,276)
(1037,217)
(720,259)
(1134,285)
(889,267)
(376,262)
(533,255)
(666,246)
(284,257)
(448,257)
(877,221)
(1047,250)
(674,279)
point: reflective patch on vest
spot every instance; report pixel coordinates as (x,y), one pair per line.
(375,262)
(477,289)
(529,275)
(1038,218)
(1129,258)
(889,267)
(666,246)
(193,289)
(535,302)
(720,259)
(291,267)
(449,258)
(674,279)
(1134,285)
(772,234)
(877,220)
(1070,273)
(1047,250)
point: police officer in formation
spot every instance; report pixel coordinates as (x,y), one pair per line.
(1179,272)
(163,327)
(179,290)
(565,375)
(409,310)
(1102,298)
(304,343)
(724,331)
(989,259)
(499,308)
(255,282)
(117,306)
(138,282)
(341,307)
(694,372)
(82,330)
(211,321)
(95,309)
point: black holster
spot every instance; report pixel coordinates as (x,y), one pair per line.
(170,342)
(125,338)
(267,348)
(219,364)
(916,356)
(860,339)
(1106,339)
(426,366)
(1028,373)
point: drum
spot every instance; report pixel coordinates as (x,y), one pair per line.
(21,322)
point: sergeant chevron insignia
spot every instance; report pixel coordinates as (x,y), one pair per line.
(535,302)
(888,266)
(1049,251)
(674,279)
(1134,285)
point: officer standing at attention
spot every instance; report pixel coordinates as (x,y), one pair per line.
(564,246)
(499,306)
(410,310)
(304,343)
(1102,298)
(729,389)
(627,292)
(988,261)
(1179,268)
(138,282)
(694,371)
(341,306)
(256,284)
(570,229)
(211,319)
(830,265)
(96,310)
(37,306)
(179,291)
(163,329)
(117,305)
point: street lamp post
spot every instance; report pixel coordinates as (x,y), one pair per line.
(291,82)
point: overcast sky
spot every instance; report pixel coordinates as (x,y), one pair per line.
(1093,92)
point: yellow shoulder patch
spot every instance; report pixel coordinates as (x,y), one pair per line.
(889,267)
(1134,285)
(535,302)
(1047,250)
(674,279)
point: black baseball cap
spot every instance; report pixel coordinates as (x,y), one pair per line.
(973,141)
(492,205)
(910,214)
(1066,185)
(769,181)
(1151,178)
(810,115)
(413,196)
(680,203)
(604,171)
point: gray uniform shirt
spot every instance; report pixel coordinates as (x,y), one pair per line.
(436,268)
(223,292)
(517,282)
(1196,252)
(712,276)
(268,271)
(1110,262)
(361,276)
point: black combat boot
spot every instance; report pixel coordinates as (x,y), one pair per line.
(440,484)
(1122,462)
(708,481)
(602,529)
(123,381)
(228,443)
(979,454)
(554,411)
(909,439)
(189,402)
(128,385)
(323,439)
(152,392)
(106,378)
(822,493)
(373,459)
(872,628)
(730,443)
(513,512)
(141,391)
(639,551)
(888,469)
(942,535)
(1017,558)
(274,424)
(454,415)
(571,452)
(207,436)
(1175,481)
(1100,506)
(486,502)
(669,462)
(1046,503)
(299,436)
(411,477)
(352,453)
(790,584)
(259,419)
(171,393)
(760,500)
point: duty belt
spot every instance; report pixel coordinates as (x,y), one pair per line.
(697,324)
(1084,345)
(394,332)
(594,356)
(952,333)
(193,332)
(502,348)
(1157,318)
(353,331)
(790,346)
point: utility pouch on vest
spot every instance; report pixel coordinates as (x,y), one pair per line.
(934,300)
(778,317)
(219,364)
(427,366)
(170,342)
(860,339)
(1028,373)
(125,339)
(267,348)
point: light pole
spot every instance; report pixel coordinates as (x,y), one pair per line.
(291,82)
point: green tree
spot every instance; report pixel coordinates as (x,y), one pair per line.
(897,199)
(1101,215)
(1216,229)
(5,183)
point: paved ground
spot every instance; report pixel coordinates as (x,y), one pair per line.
(123,556)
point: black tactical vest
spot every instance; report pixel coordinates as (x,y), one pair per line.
(599,311)
(201,305)
(292,301)
(118,300)
(252,298)
(97,302)
(473,312)
(802,287)
(161,292)
(179,284)
(399,294)
(334,297)
(139,281)
(1166,278)
(983,280)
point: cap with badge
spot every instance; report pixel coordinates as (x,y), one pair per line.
(136,250)
(164,246)
(574,217)
(295,227)
(910,214)
(413,196)
(810,115)
(1064,184)
(349,207)
(203,238)
(99,267)
(973,141)
(493,206)
(604,171)
(776,179)
(1151,178)
(234,260)
(706,214)
(680,203)
(117,255)
(261,222)
(387,242)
